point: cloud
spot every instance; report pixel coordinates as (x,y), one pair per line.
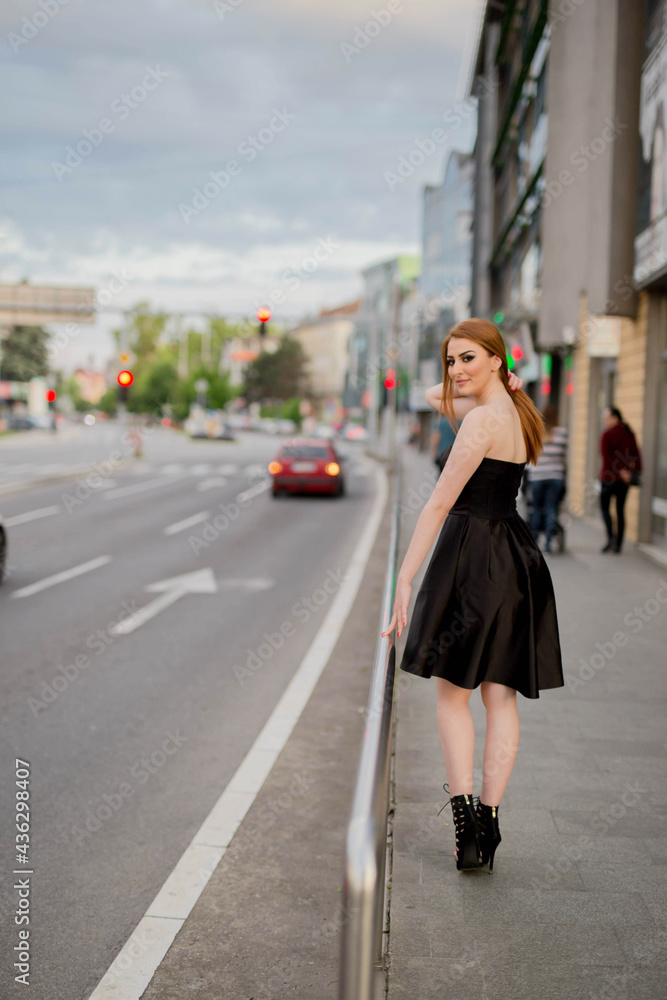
(324,174)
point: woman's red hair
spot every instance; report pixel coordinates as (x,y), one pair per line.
(488,336)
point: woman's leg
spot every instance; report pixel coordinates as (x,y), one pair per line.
(537,509)
(605,498)
(457,735)
(621,492)
(502,740)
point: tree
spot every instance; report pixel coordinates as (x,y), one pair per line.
(278,375)
(24,353)
(153,387)
(218,394)
(142,333)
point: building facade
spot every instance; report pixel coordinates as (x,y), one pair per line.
(509,80)
(325,340)
(377,341)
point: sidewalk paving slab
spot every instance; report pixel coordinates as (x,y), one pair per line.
(576,906)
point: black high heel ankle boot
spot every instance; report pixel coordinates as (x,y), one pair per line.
(489,833)
(468,851)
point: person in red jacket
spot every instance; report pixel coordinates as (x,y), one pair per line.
(620,458)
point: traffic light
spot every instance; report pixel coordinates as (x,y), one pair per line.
(125,379)
(50,395)
(263,315)
(390,379)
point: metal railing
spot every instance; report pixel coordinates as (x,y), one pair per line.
(361,956)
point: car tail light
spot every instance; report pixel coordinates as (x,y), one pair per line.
(332,469)
(275,468)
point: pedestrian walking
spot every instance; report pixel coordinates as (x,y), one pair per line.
(546,478)
(485,614)
(441,439)
(620,469)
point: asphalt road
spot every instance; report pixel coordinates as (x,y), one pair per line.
(132,733)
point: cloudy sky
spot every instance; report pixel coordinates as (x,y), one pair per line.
(118,117)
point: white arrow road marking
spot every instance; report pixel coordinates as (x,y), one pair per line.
(31,515)
(126,491)
(202,581)
(189,522)
(208,484)
(67,574)
(252,583)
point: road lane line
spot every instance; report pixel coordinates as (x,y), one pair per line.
(133,968)
(126,491)
(66,574)
(209,484)
(189,522)
(31,515)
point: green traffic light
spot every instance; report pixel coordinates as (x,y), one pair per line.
(510,362)
(499,317)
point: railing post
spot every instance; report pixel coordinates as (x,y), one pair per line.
(366,840)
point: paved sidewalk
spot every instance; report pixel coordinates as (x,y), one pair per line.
(576,905)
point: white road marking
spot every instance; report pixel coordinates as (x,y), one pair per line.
(31,515)
(137,962)
(200,470)
(202,581)
(252,583)
(126,491)
(208,484)
(255,469)
(169,470)
(66,574)
(189,522)
(228,469)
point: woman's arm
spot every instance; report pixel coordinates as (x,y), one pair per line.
(462,404)
(471,444)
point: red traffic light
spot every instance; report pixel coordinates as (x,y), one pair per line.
(125,378)
(390,379)
(263,314)
(50,395)
(517,352)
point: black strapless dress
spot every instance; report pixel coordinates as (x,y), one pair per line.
(486,609)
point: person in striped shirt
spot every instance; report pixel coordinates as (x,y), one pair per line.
(547,478)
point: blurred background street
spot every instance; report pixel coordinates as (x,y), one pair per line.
(233,237)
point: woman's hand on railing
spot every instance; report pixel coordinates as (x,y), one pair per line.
(401,602)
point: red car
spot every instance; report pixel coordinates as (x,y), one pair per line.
(308,465)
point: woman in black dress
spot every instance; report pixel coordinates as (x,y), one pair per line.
(485,614)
